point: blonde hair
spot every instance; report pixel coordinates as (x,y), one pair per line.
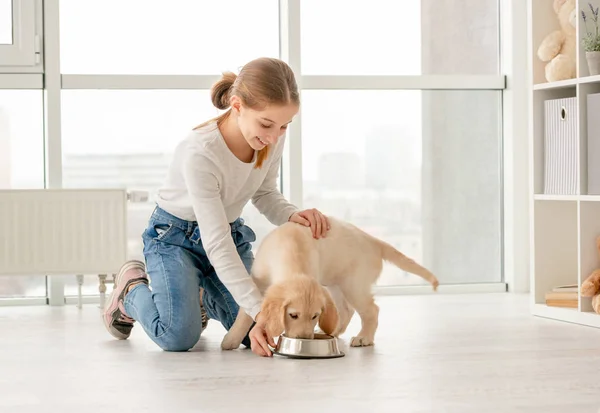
(261,82)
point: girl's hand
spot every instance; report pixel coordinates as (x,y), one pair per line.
(260,340)
(313,218)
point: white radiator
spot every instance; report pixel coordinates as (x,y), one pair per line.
(62,231)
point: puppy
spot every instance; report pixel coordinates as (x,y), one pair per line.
(306,281)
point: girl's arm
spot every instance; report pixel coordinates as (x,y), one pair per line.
(203,186)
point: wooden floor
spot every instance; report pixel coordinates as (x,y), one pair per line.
(442,353)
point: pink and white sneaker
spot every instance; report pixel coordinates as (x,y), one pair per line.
(116,320)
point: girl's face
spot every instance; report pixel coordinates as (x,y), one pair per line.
(263,127)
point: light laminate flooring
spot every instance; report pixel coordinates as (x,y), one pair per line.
(433,353)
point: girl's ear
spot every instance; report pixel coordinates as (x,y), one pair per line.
(329,315)
(236,104)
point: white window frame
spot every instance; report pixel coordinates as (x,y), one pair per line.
(512,83)
(25,50)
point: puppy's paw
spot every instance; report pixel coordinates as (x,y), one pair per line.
(361,341)
(231,341)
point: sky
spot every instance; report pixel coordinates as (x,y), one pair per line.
(185,37)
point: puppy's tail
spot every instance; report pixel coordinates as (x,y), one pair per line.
(393,256)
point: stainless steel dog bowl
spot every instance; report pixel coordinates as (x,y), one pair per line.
(323,346)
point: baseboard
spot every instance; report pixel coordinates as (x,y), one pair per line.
(86,299)
(5,302)
(442,289)
(377,290)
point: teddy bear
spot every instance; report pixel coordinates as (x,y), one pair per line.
(559,48)
(591,286)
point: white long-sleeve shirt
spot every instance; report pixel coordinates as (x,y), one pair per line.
(207,183)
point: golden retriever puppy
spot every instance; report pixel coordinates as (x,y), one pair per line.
(291,268)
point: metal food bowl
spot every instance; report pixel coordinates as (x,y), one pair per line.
(323,346)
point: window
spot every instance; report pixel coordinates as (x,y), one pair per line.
(158,37)
(17,33)
(21,166)
(399,163)
(408,37)
(6,29)
(407,169)
(125,139)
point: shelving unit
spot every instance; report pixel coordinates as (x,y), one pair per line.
(564,226)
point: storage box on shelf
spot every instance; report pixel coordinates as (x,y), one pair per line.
(561,159)
(593,141)
(564,176)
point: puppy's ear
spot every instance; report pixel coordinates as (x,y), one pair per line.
(273,310)
(329,314)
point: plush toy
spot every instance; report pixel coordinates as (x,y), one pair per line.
(591,286)
(559,47)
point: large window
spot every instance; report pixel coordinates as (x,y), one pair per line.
(420,170)
(400,130)
(391,37)
(125,139)
(21,166)
(160,37)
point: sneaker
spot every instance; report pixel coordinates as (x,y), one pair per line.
(203,313)
(116,321)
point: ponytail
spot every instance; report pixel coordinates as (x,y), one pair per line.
(220,92)
(219,95)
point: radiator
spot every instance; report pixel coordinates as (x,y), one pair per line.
(62,231)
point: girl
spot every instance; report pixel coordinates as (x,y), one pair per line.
(195,239)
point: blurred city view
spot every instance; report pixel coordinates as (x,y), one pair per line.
(370,185)
(379,191)
(420,169)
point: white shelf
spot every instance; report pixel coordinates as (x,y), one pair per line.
(589,79)
(563,228)
(569,83)
(544,197)
(570,315)
(549,197)
(555,85)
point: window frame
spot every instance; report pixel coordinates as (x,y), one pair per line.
(25,51)
(42,22)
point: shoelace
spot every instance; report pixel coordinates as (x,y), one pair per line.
(123,318)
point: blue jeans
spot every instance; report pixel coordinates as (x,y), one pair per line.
(177,265)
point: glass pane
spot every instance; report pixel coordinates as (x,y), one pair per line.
(6,35)
(159,37)
(408,37)
(125,139)
(22,166)
(418,169)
